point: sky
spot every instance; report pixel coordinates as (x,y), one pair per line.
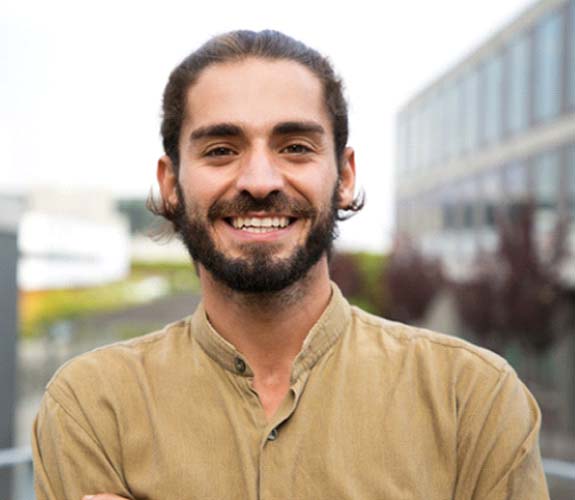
(81,82)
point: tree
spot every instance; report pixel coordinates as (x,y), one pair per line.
(517,291)
(411,282)
(343,269)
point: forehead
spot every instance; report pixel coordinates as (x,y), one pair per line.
(256,93)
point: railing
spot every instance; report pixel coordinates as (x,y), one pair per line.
(19,460)
(15,456)
(559,468)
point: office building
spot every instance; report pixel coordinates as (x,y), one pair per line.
(495,131)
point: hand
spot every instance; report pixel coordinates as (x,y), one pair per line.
(103,496)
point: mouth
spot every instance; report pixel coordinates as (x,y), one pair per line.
(260,224)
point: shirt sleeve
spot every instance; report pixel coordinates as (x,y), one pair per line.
(498,443)
(69,459)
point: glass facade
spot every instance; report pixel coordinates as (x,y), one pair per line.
(525,84)
(515,181)
(425,142)
(417,138)
(493,86)
(569,181)
(546,189)
(548,62)
(546,179)
(470,107)
(449,122)
(490,197)
(401,143)
(517,98)
(571,55)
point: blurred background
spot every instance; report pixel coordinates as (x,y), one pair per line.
(463,120)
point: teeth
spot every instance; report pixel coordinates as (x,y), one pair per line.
(259,224)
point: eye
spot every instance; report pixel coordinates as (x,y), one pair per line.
(296,149)
(219,151)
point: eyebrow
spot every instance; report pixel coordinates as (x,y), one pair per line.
(231,130)
(295,127)
(218,130)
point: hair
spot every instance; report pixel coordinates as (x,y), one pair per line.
(236,46)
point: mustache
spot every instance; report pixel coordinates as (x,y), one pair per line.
(275,202)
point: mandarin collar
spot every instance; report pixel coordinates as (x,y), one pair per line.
(324,334)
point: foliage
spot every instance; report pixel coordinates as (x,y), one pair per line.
(180,276)
(147,281)
(516,293)
(344,270)
(411,282)
(357,275)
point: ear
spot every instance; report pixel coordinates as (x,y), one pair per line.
(347,178)
(167,181)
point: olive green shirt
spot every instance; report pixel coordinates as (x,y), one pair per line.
(376,410)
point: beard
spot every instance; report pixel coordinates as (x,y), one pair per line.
(259,271)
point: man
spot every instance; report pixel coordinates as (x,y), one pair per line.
(276,388)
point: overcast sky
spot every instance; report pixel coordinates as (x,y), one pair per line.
(81,83)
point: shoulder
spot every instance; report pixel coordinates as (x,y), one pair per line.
(117,367)
(439,350)
(478,382)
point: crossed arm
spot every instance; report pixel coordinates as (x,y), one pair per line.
(77,456)
(103,496)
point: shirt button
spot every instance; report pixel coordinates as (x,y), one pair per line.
(273,435)
(240,365)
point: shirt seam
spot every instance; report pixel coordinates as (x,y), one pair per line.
(87,433)
(146,339)
(73,418)
(502,369)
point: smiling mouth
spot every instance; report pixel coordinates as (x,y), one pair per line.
(260,224)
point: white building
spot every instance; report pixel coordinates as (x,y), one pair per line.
(71,239)
(495,131)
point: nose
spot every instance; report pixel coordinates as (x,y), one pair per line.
(259,175)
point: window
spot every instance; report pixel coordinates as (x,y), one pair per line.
(450,207)
(470,107)
(490,197)
(569,181)
(571,58)
(546,176)
(434,135)
(469,197)
(548,59)
(451,122)
(546,188)
(457,118)
(415,143)
(517,105)
(401,144)
(516,188)
(408,142)
(440,134)
(425,134)
(515,182)
(493,80)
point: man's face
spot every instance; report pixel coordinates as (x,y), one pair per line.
(258,184)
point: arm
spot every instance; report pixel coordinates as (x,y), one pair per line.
(498,449)
(103,496)
(69,459)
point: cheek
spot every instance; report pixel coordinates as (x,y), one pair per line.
(200,191)
(316,185)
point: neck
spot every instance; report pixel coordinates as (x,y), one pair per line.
(268,329)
